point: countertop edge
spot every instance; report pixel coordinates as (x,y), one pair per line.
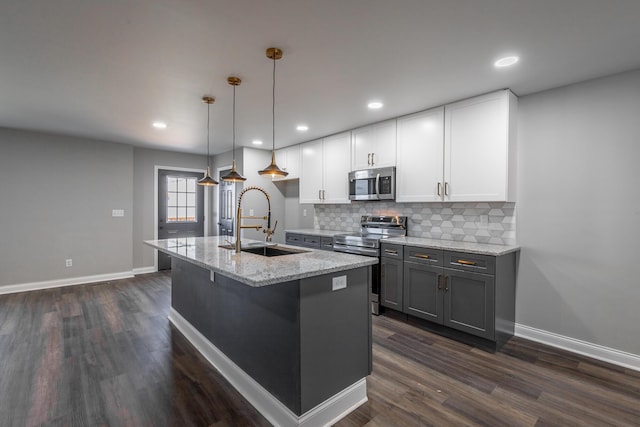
(457,246)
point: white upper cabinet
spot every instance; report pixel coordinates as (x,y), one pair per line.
(288,159)
(479,148)
(336,162)
(324,170)
(374,146)
(420,152)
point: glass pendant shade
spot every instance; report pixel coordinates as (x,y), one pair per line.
(273,53)
(233,175)
(206,180)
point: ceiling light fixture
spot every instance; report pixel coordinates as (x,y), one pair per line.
(273,53)
(302,128)
(375,105)
(233,175)
(206,179)
(507,61)
(159,125)
(256,142)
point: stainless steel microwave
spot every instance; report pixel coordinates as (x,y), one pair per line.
(373,184)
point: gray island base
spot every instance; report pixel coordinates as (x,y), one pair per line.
(298,350)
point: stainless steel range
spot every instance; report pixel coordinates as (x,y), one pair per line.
(367,242)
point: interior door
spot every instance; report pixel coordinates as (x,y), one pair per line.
(180,208)
(226,206)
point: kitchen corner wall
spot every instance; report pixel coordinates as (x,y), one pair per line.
(469,222)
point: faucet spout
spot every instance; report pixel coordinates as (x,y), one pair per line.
(239,225)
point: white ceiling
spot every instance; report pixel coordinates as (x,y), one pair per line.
(108,69)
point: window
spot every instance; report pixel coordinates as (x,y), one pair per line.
(181,199)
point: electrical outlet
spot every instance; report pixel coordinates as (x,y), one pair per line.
(68,263)
(250,212)
(484,221)
(117,212)
(339,282)
(304,212)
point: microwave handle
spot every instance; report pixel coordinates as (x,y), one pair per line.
(378,185)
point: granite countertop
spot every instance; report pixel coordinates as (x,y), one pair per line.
(316,232)
(451,245)
(258,270)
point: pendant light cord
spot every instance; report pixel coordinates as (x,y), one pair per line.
(208,121)
(273,107)
(234,122)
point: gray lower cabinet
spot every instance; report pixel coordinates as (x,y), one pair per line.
(468,292)
(309,241)
(391,276)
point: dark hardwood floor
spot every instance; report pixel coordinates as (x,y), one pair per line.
(106,355)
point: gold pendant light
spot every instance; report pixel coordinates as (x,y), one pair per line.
(273,53)
(233,175)
(207,180)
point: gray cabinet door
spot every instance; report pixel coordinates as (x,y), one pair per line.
(423,292)
(469,300)
(391,283)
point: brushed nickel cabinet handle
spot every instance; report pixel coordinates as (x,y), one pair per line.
(446,188)
(423,256)
(369,159)
(319,194)
(439,280)
(391,251)
(373,159)
(446,283)
(439,189)
(465,262)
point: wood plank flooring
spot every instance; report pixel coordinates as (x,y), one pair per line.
(106,355)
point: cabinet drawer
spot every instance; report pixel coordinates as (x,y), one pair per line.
(423,255)
(305,240)
(484,264)
(389,250)
(327,243)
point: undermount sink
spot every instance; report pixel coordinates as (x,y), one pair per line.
(267,250)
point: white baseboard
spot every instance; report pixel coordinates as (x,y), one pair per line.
(606,354)
(271,408)
(144,270)
(35,286)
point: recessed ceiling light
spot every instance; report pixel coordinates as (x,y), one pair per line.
(507,61)
(374,105)
(257,142)
(159,125)
(302,128)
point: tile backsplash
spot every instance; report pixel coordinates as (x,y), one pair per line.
(483,222)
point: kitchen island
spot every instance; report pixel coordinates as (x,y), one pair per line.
(291,333)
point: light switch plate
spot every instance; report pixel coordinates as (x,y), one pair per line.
(117,212)
(339,282)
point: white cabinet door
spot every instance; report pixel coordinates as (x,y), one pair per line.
(477,138)
(288,159)
(384,151)
(336,168)
(311,170)
(374,146)
(362,145)
(420,153)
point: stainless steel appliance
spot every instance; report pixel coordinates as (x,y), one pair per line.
(373,184)
(373,228)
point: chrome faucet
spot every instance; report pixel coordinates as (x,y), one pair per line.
(269,231)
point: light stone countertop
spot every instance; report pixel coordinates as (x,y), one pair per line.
(316,232)
(258,270)
(451,245)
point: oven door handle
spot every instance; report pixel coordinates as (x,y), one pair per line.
(378,185)
(363,251)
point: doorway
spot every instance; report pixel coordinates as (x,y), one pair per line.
(180,208)
(226,205)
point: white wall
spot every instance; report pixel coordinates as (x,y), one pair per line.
(578,211)
(57,194)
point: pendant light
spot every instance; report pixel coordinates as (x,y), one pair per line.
(207,180)
(233,175)
(273,53)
